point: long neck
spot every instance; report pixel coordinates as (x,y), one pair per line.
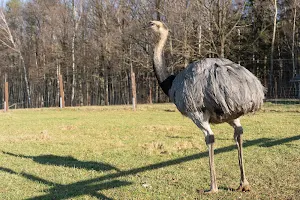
(159,63)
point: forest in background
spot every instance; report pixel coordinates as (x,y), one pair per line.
(104,53)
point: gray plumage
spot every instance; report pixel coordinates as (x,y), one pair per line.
(225,89)
(213,90)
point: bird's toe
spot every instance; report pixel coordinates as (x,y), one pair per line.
(243,188)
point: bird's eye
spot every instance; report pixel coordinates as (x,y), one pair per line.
(151,23)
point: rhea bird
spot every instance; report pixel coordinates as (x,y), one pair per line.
(211,90)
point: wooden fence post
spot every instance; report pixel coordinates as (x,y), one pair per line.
(61,91)
(6,104)
(133,88)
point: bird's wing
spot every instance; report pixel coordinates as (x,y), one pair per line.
(219,86)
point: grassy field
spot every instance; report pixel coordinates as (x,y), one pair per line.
(153,153)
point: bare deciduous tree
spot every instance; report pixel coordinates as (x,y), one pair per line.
(7,39)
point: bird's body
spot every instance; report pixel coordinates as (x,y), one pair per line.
(221,88)
(212,90)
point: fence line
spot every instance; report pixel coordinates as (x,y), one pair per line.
(53,91)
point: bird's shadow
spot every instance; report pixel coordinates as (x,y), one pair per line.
(228,189)
(66,161)
(178,137)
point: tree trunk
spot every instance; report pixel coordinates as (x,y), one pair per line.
(265,71)
(73,56)
(128,83)
(293,44)
(26,80)
(61,91)
(150,89)
(133,89)
(75,27)
(133,84)
(199,40)
(271,72)
(73,70)
(157,7)
(185,47)
(57,78)
(239,46)
(6,96)
(16,48)
(106,98)
(222,48)
(171,52)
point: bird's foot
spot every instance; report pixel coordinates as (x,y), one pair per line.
(211,191)
(244,187)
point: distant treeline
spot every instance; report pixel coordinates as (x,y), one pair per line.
(97,45)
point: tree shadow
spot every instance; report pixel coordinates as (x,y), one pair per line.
(67,161)
(280,141)
(95,185)
(60,191)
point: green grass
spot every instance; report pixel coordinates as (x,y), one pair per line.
(153,153)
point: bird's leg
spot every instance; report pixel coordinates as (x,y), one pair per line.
(238,137)
(202,121)
(210,139)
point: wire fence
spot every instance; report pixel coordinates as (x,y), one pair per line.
(116,90)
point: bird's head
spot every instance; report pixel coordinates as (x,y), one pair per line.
(158,27)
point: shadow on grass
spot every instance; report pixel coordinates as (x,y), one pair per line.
(60,191)
(280,141)
(93,186)
(177,137)
(67,161)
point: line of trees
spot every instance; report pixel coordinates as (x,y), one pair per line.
(98,45)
